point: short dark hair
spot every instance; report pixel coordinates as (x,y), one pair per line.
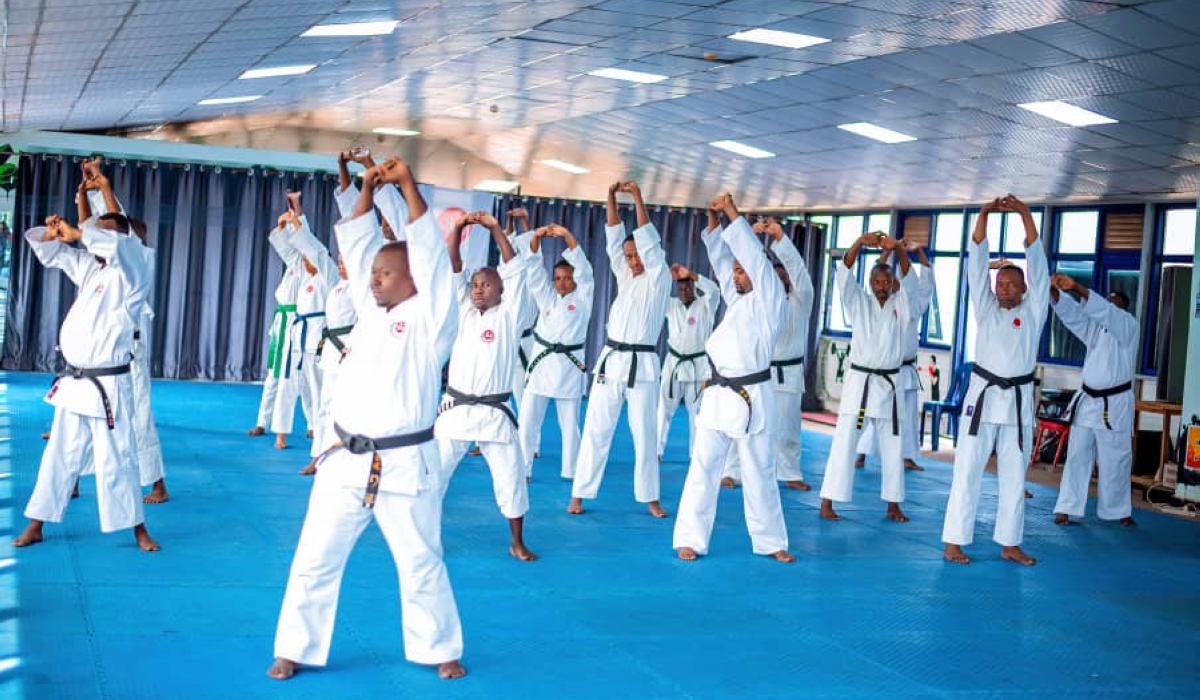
(564,263)
(1020,272)
(881,267)
(629,239)
(1122,296)
(118,218)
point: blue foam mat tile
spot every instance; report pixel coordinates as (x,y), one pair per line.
(59,666)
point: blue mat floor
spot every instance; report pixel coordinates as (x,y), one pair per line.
(870,610)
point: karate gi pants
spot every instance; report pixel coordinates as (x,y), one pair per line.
(701,487)
(412,527)
(505,463)
(76,441)
(910,442)
(266,405)
(323,434)
(970,457)
(604,406)
(689,394)
(149,447)
(1112,450)
(786,425)
(304,382)
(838,484)
(533,412)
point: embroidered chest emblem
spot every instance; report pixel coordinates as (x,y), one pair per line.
(570,307)
(309,289)
(398,327)
(488,335)
(1017,322)
(691,320)
(99,288)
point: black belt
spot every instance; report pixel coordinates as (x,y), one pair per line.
(738,384)
(624,347)
(1014,383)
(1100,394)
(862,406)
(780,364)
(361,445)
(496,401)
(92,374)
(333,335)
(682,357)
(521,350)
(137,335)
(552,348)
(912,362)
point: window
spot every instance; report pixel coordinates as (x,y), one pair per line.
(1175,245)
(1005,232)
(1061,343)
(844,230)
(1077,232)
(945,257)
(1179,232)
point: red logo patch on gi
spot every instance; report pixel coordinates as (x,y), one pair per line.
(398,327)
(1017,322)
(488,336)
(570,307)
(99,288)
(691,320)
(309,289)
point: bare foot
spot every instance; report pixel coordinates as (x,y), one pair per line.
(894,513)
(144,540)
(158,494)
(31,535)
(955,555)
(475,451)
(860,462)
(687,554)
(913,466)
(1062,519)
(283,669)
(520,551)
(255,432)
(783,556)
(1128,521)
(46,435)
(308,434)
(575,507)
(451,670)
(75,491)
(727,482)
(281,442)
(536,454)
(657,510)
(310,469)
(529,479)
(798,485)
(1015,554)
(1028,493)
(827,511)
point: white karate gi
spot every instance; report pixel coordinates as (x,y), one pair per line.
(875,344)
(278,355)
(1111,335)
(302,376)
(149,446)
(482,363)
(96,333)
(636,318)
(529,317)
(339,313)
(311,312)
(788,377)
(388,385)
(688,327)
(908,383)
(740,345)
(1006,344)
(563,320)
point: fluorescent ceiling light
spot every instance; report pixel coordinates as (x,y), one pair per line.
(742,149)
(632,76)
(563,165)
(878,133)
(276,72)
(389,131)
(229,100)
(352,29)
(1067,114)
(774,37)
(501,186)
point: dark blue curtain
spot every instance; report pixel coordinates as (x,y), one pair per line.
(216,274)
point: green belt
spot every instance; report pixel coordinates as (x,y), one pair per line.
(275,360)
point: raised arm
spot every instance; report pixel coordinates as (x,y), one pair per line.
(51,245)
(125,254)
(281,241)
(486,220)
(708,291)
(979,279)
(614,216)
(307,245)
(719,256)
(1069,311)
(750,254)
(1037,268)
(643,218)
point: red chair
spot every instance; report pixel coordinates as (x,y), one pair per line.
(1062,429)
